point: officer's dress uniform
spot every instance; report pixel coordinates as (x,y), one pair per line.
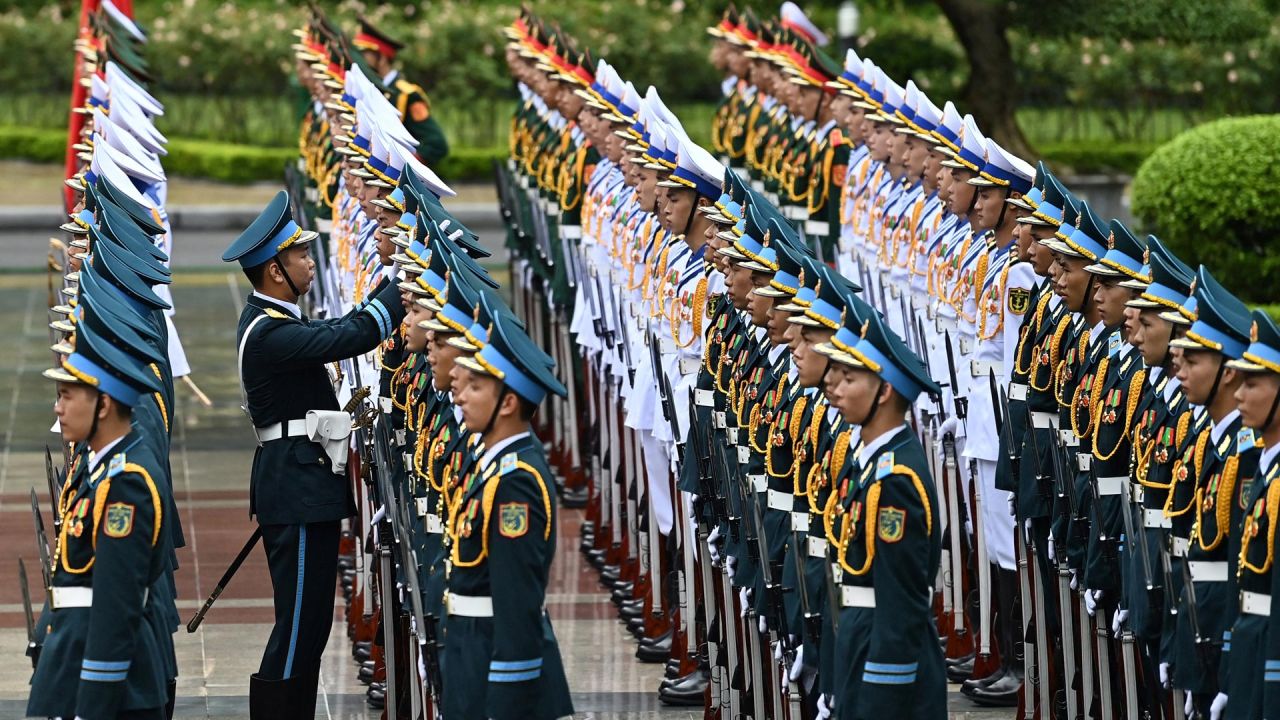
(297,499)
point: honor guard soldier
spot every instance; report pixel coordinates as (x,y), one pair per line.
(1223,462)
(1248,677)
(501,656)
(299,493)
(410,100)
(1151,576)
(103,653)
(889,541)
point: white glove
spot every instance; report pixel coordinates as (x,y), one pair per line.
(1075,585)
(1217,706)
(764,628)
(422,664)
(824,707)
(693,501)
(1164,675)
(714,535)
(1090,602)
(731,565)
(1189,707)
(1052,554)
(950,425)
(797,667)
(1013,506)
(1118,621)
(744,596)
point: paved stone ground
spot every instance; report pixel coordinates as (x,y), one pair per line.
(211,455)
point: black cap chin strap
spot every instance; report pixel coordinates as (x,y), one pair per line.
(97,408)
(875,404)
(1004,207)
(1217,381)
(288,280)
(493,416)
(1271,416)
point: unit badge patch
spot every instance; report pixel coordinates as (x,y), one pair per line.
(1019,300)
(891,524)
(515,519)
(119,520)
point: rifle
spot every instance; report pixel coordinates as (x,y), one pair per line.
(42,541)
(772,600)
(55,489)
(33,648)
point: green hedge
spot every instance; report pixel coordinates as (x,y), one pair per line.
(227,162)
(1213,194)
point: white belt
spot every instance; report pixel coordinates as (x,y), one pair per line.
(757,185)
(982,368)
(966,345)
(718,416)
(945,324)
(435,526)
(324,225)
(1018,391)
(799,522)
(1044,420)
(61,598)
(1255,603)
(1112,485)
(795,212)
(1207,571)
(759,483)
(1084,461)
(703,398)
(690,365)
(1155,519)
(1136,493)
(468,605)
(275,431)
(733,438)
(70,597)
(1068,438)
(817,227)
(779,500)
(817,547)
(863,596)
(1180,546)
(570,232)
(744,454)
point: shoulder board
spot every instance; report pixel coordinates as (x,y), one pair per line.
(508,463)
(273,313)
(884,466)
(406,87)
(116,466)
(1244,439)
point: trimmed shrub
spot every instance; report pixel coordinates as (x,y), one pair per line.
(1213,194)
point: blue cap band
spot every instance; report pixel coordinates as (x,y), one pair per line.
(512,376)
(901,381)
(103,380)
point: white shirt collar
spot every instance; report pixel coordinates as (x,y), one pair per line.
(869,450)
(492,452)
(291,307)
(1153,375)
(1268,456)
(1221,426)
(96,458)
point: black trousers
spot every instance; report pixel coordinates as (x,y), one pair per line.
(303,560)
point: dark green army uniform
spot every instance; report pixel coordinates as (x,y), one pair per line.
(295,496)
(409,100)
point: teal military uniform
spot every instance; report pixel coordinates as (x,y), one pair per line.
(889,548)
(501,658)
(1246,676)
(104,654)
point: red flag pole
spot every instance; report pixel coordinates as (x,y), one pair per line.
(75,121)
